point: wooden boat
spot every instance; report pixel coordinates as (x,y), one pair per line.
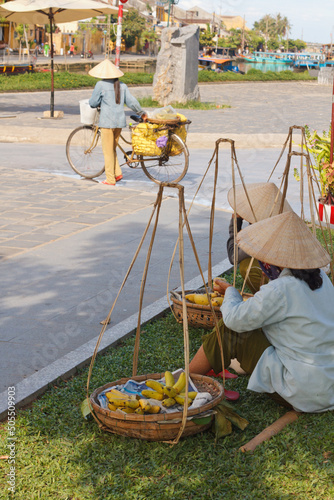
(16,69)
(268,57)
(217,64)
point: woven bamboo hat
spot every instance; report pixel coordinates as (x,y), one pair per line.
(105,69)
(284,241)
(262,197)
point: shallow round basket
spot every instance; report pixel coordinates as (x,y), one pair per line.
(198,316)
(161,426)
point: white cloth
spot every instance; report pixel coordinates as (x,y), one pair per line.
(299,323)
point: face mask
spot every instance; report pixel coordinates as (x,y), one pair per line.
(269,270)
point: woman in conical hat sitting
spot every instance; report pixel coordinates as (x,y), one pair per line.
(283,336)
(262,200)
(110,95)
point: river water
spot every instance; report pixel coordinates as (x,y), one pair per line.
(246,66)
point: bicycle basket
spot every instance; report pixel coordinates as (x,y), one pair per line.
(145,135)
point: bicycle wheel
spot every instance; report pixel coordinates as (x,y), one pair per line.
(168,168)
(84,151)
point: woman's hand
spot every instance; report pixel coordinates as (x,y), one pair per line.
(220,285)
(144,117)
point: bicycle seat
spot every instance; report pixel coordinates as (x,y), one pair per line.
(136,118)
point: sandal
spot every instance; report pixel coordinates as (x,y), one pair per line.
(119,178)
(108,183)
(228,374)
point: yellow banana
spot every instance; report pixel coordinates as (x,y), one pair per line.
(132,403)
(191,394)
(181,400)
(112,407)
(120,395)
(170,392)
(168,402)
(144,404)
(190,297)
(155,385)
(115,392)
(152,394)
(169,378)
(139,411)
(201,299)
(154,409)
(180,384)
(127,410)
(214,294)
(217,301)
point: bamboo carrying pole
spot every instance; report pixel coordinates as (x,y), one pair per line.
(272,430)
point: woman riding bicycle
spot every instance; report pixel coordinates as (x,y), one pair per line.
(110,95)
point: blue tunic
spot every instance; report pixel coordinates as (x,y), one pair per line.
(112,115)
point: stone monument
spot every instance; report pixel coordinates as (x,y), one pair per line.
(325,76)
(176,76)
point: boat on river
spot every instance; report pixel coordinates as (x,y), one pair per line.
(217,64)
(16,69)
(268,57)
(304,61)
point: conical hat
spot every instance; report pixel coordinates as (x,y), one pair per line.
(262,197)
(284,241)
(105,69)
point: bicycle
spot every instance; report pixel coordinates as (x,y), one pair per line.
(84,153)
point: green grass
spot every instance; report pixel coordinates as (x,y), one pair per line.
(65,80)
(148,102)
(253,75)
(61,456)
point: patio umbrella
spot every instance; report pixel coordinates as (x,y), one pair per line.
(52,12)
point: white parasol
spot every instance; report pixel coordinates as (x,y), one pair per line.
(52,12)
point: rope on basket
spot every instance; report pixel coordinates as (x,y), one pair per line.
(234,162)
(106,321)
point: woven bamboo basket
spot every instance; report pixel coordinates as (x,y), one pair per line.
(161,426)
(198,316)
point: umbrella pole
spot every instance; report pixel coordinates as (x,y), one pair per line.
(52,101)
(119,33)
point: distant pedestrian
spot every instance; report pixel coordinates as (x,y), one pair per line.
(46,50)
(110,95)
(72,50)
(36,51)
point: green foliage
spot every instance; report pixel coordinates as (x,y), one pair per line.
(252,75)
(66,80)
(148,102)
(206,37)
(133,26)
(319,146)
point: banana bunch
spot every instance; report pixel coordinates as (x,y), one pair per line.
(124,402)
(203,298)
(171,393)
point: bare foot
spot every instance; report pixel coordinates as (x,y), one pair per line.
(235,365)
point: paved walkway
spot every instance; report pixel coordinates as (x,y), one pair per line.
(66,244)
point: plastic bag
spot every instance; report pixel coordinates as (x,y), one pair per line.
(165,113)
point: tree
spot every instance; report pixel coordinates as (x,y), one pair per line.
(273,29)
(251,39)
(206,37)
(133,26)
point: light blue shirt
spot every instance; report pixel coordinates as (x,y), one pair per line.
(112,115)
(299,323)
